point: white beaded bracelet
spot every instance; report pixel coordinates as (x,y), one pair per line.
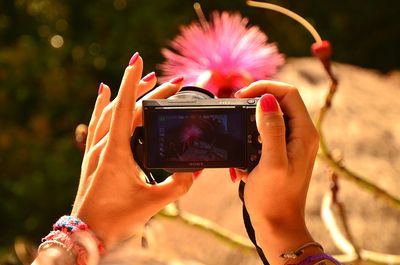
(50,243)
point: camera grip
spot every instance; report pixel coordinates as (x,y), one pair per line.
(152,176)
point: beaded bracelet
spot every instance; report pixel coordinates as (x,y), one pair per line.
(62,235)
(70,224)
(50,243)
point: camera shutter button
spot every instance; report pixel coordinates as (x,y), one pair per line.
(251,101)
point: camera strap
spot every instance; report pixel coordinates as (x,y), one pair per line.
(249,226)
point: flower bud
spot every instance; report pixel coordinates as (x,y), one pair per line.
(322,50)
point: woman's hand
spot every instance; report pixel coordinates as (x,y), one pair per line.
(276,189)
(112,197)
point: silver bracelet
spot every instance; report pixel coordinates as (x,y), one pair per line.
(298,252)
(49,243)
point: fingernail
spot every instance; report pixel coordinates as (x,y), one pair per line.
(268,103)
(196,174)
(100,88)
(149,77)
(232,172)
(176,80)
(133,59)
(238,93)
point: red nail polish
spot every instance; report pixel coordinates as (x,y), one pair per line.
(100,88)
(149,77)
(176,80)
(232,172)
(237,93)
(268,103)
(133,59)
(196,174)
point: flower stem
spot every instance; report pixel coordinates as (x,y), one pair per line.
(200,14)
(337,166)
(341,170)
(346,246)
(290,14)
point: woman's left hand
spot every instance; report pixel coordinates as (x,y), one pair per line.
(112,197)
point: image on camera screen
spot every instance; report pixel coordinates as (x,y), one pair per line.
(198,136)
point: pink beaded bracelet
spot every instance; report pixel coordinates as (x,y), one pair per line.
(63,231)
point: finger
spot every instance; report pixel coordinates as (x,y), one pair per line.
(121,120)
(91,161)
(241,175)
(287,95)
(93,157)
(146,84)
(233,174)
(103,126)
(102,100)
(237,175)
(163,91)
(300,123)
(307,149)
(271,126)
(172,188)
(196,174)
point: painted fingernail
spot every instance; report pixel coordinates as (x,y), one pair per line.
(149,77)
(196,174)
(238,93)
(176,80)
(100,88)
(133,59)
(232,172)
(268,103)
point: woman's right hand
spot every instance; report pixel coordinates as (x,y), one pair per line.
(276,189)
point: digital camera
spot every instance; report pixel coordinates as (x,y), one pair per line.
(192,130)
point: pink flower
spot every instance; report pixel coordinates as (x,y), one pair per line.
(191,134)
(221,56)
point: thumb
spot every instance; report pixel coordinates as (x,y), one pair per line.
(271,126)
(172,188)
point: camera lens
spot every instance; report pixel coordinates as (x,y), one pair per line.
(192,92)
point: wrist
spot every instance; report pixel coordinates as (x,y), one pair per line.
(103,230)
(277,237)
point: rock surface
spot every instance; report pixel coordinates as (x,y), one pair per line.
(364,124)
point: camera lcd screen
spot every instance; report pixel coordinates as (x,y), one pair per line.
(194,138)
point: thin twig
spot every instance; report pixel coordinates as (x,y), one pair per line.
(344,245)
(210,227)
(337,166)
(335,188)
(290,14)
(360,181)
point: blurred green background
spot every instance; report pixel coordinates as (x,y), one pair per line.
(53,55)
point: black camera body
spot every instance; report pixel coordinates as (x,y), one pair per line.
(193,130)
